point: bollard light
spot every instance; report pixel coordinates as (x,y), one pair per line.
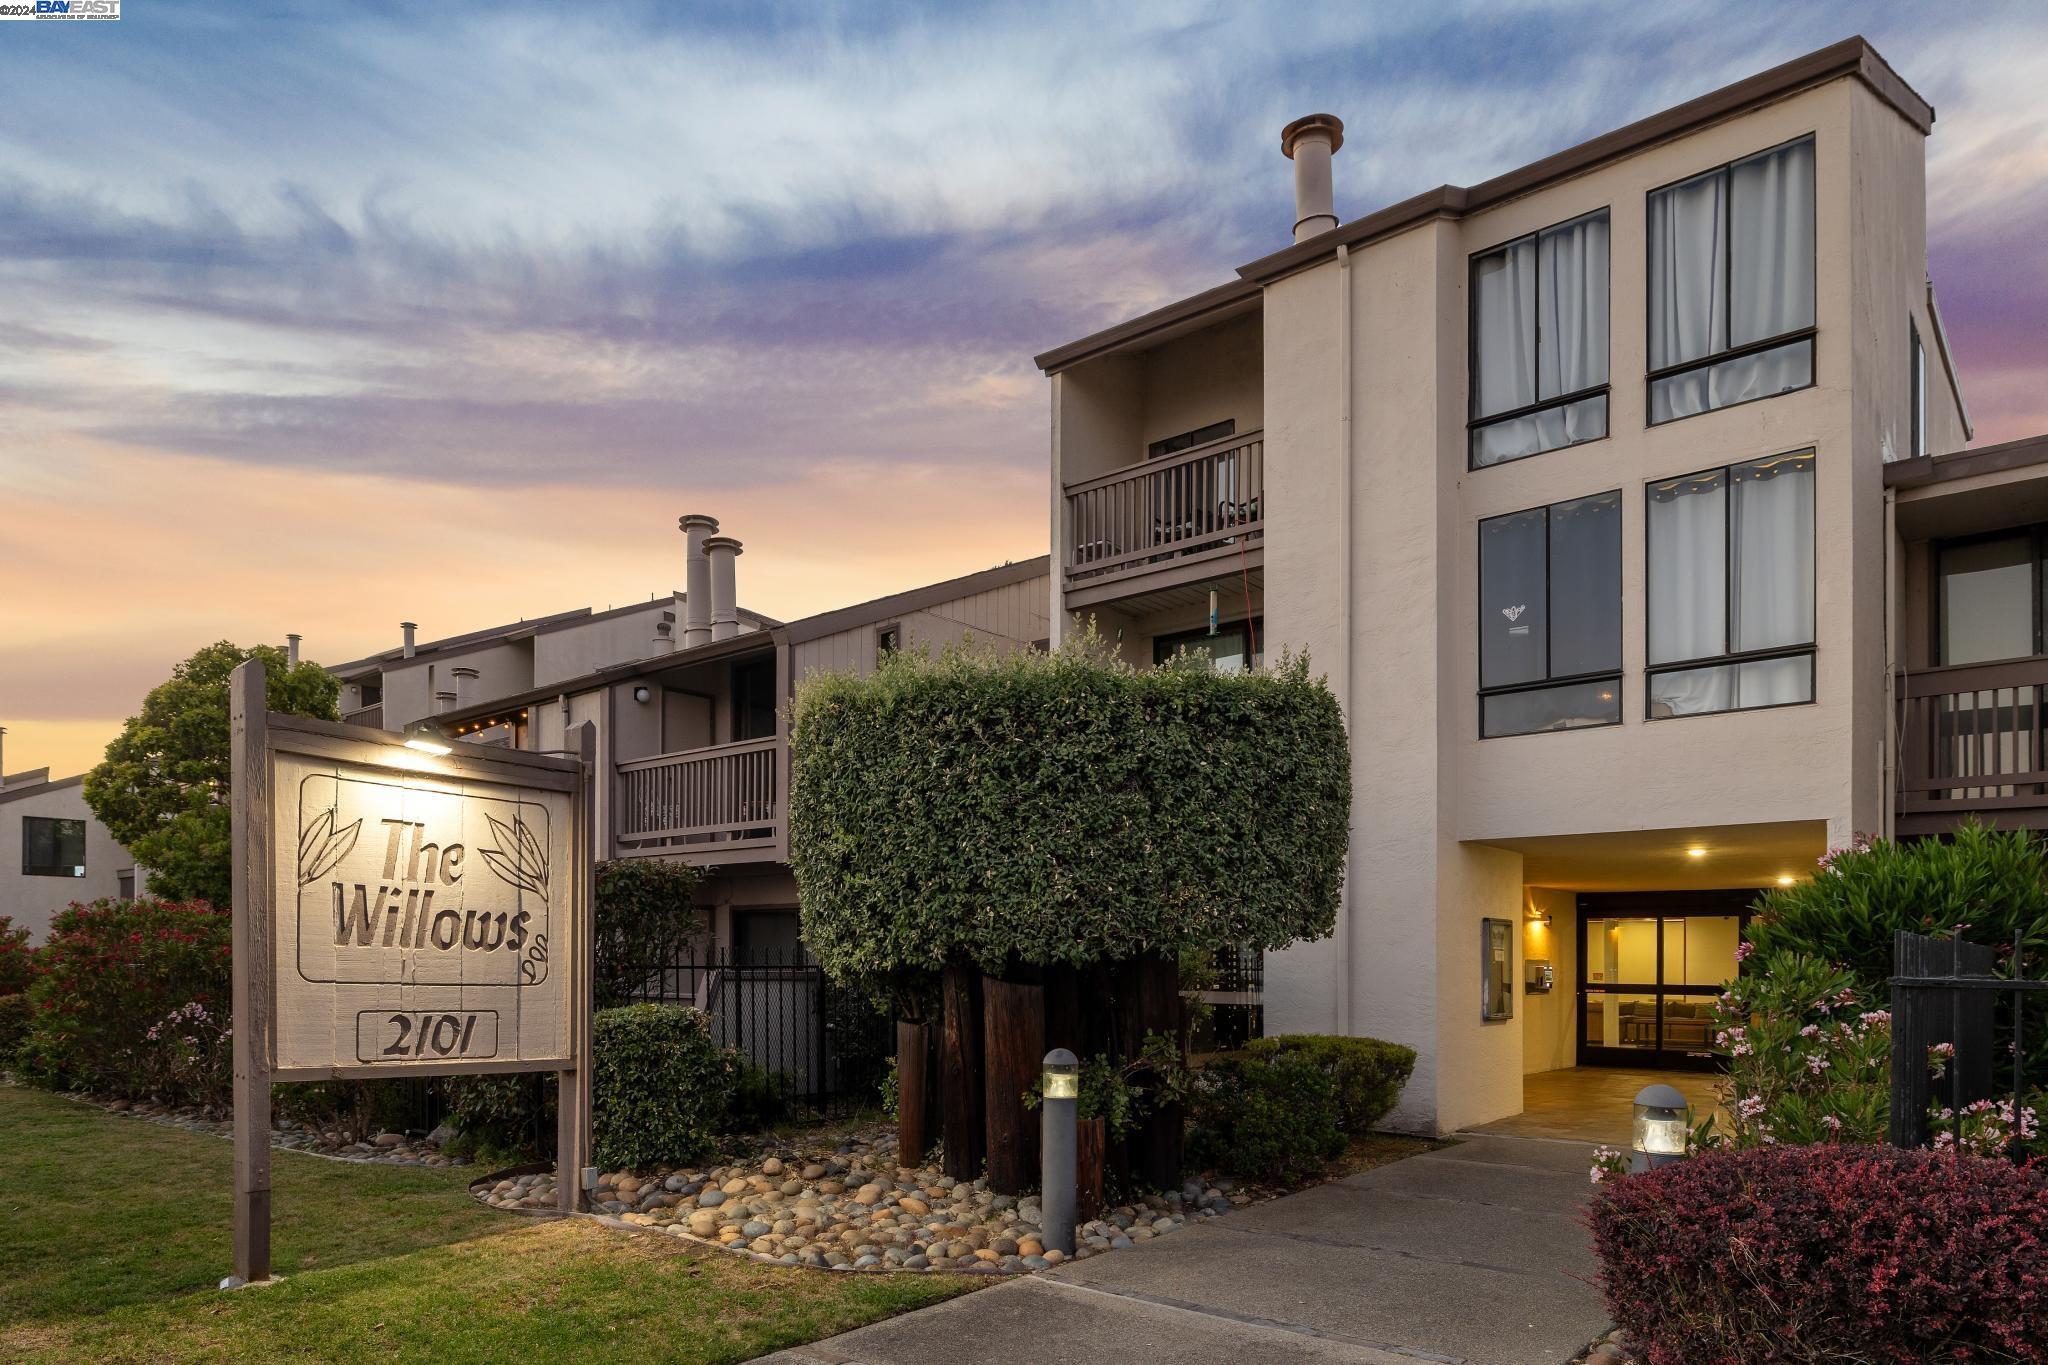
(1662,1127)
(1059,1118)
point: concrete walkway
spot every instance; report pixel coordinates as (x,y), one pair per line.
(1468,1254)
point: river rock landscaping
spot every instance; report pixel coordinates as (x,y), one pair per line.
(853,1207)
(396,1149)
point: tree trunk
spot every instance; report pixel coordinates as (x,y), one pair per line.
(960,1116)
(1014,1035)
(1091,1139)
(913,1046)
(1157,1147)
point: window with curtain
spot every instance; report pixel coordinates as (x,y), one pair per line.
(1550,617)
(1731,588)
(1731,284)
(52,847)
(1539,342)
(1919,385)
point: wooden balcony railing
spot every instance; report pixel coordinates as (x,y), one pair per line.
(1201,503)
(370,716)
(1971,743)
(713,800)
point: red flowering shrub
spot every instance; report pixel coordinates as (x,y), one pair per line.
(1833,1252)
(132,998)
(17,959)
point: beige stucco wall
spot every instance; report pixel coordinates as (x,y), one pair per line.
(1549,1029)
(31,902)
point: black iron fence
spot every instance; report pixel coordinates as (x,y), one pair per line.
(1946,996)
(1227,999)
(828,1044)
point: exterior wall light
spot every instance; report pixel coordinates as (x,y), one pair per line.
(1059,1119)
(428,738)
(1661,1128)
(641,694)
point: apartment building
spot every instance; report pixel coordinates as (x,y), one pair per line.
(689,697)
(1621,497)
(53,851)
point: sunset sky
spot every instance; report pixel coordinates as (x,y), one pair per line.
(319,318)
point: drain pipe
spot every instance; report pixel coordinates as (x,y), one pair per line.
(1888,747)
(1346,939)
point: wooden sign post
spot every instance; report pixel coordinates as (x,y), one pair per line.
(402,913)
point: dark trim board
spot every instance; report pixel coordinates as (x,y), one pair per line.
(1659,905)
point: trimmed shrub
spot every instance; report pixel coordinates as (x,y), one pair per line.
(13,1026)
(1808,1059)
(17,959)
(660,1087)
(131,998)
(643,906)
(1062,808)
(504,1114)
(1827,1253)
(1370,1073)
(1277,1117)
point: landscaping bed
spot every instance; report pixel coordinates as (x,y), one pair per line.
(396,1149)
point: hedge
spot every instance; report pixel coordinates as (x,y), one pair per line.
(1273,1117)
(1369,1072)
(643,907)
(660,1086)
(1828,1252)
(1039,808)
(17,959)
(132,998)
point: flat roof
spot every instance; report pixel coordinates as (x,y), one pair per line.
(2026,452)
(1852,57)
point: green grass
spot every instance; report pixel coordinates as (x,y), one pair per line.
(113,1232)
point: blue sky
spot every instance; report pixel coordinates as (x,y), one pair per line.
(474,299)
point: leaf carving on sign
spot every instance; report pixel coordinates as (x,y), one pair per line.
(519,860)
(322,846)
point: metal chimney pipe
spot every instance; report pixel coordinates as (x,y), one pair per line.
(291,650)
(444,702)
(3,755)
(408,627)
(1309,143)
(724,553)
(664,637)
(465,685)
(697,529)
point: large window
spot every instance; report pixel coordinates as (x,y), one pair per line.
(1731,284)
(1990,600)
(1550,617)
(1539,342)
(1731,588)
(1229,650)
(52,847)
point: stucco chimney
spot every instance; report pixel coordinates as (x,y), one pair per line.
(465,685)
(1308,142)
(291,650)
(443,702)
(664,636)
(697,528)
(408,627)
(724,553)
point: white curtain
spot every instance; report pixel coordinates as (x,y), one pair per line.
(1688,569)
(1688,271)
(1770,215)
(1573,354)
(1504,312)
(1771,504)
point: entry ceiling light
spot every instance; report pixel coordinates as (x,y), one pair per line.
(1785,879)
(1695,852)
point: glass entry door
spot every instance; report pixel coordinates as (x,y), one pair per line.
(1649,969)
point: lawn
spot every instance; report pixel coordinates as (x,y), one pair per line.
(113,1232)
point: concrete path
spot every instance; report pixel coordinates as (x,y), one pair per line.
(1468,1254)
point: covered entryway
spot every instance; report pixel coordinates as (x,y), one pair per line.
(1650,965)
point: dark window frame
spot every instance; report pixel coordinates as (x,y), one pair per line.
(1163,646)
(1474,422)
(1733,657)
(1616,675)
(68,871)
(1810,334)
(888,640)
(1188,440)
(2037,581)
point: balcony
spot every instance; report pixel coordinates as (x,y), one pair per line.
(371,717)
(1167,522)
(1971,743)
(719,804)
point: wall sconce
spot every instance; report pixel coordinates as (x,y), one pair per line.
(1661,1128)
(641,694)
(428,738)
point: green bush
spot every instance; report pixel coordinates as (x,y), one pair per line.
(132,998)
(660,1087)
(504,1114)
(1369,1072)
(13,1026)
(1062,808)
(17,959)
(1274,1117)
(643,906)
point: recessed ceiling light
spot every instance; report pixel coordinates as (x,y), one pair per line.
(1695,852)
(1785,879)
